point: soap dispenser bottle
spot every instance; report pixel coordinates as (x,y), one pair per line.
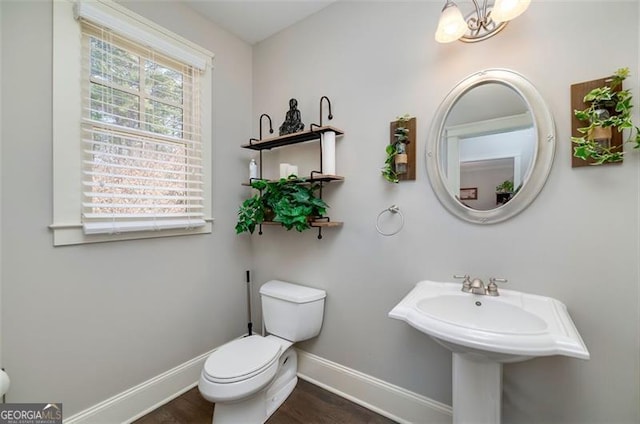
(253,170)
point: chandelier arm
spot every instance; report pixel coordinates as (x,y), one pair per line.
(485,16)
(475,24)
(477,6)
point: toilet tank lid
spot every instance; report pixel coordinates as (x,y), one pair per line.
(291,292)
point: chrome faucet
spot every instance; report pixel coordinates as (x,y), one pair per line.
(476,286)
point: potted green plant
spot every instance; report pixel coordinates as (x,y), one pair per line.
(396,161)
(505,187)
(504,192)
(289,201)
(609,108)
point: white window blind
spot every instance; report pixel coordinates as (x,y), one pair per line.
(142,149)
(134,28)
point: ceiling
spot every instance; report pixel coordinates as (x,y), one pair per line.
(255,20)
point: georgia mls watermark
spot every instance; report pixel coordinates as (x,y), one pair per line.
(31,413)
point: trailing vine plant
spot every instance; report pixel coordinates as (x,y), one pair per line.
(607,109)
(401,135)
(388,171)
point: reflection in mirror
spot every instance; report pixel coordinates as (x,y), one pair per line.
(491,146)
(488,139)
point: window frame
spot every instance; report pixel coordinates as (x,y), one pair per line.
(67,224)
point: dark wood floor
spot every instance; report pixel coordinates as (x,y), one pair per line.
(308,404)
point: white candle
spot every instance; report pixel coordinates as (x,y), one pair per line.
(284,170)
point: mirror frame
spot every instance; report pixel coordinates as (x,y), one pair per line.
(542,161)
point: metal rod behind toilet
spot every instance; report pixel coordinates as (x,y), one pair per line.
(249,323)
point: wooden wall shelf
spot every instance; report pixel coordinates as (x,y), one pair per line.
(295,138)
(314,224)
(314,133)
(327,224)
(316,178)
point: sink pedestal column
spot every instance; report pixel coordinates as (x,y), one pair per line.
(477,390)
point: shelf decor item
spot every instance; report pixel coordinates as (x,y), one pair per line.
(329,152)
(400,162)
(608,108)
(293,119)
(327,143)
(288,201)
(253,170)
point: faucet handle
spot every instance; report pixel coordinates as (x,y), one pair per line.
(466,282)
(492,287)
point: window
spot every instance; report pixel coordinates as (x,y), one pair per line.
(142,166)
(143,151)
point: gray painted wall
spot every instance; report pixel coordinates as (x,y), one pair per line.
(578,242)
(83,323)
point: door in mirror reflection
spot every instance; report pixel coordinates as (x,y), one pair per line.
(497,164)
(488,144)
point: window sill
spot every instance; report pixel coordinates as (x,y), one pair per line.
(70,234)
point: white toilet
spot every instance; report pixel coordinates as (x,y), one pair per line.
(249,378)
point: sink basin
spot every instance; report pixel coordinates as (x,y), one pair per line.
(485,315)
(483,332)
(511,327)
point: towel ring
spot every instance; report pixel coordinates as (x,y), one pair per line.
(393,209)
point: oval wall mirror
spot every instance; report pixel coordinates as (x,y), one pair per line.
(490,147)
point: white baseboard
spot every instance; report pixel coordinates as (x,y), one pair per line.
(386,399)
(138,401)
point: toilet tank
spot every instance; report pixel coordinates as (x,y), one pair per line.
(291,311)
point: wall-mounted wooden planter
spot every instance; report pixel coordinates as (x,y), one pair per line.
(578,91)
(411,149)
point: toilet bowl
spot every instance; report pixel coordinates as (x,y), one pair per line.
(249,378)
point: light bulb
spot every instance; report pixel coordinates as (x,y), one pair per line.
(451,25)
(506,10)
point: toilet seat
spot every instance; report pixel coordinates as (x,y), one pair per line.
(241,359)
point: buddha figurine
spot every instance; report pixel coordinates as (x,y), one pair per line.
(292,121)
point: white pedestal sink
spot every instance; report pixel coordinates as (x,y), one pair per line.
(483,332)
